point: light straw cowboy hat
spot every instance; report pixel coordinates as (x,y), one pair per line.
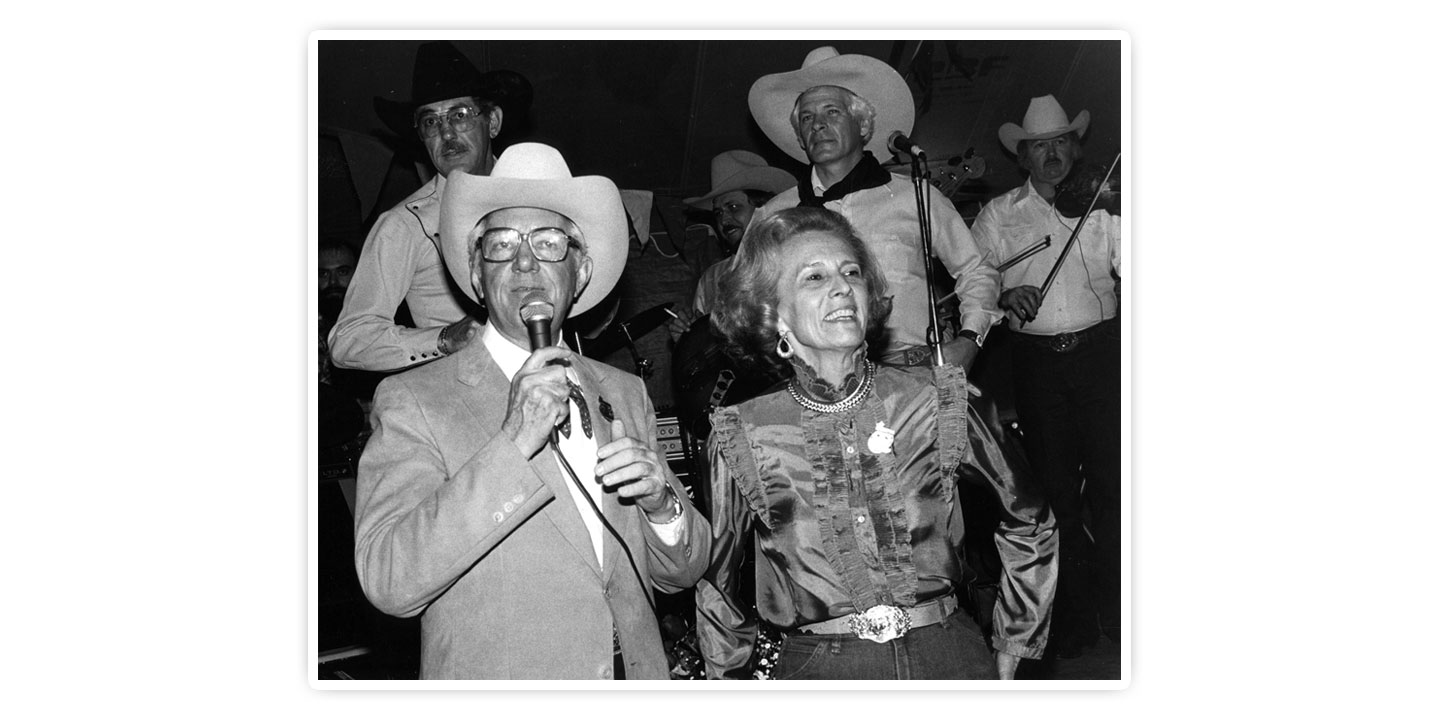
(741,170)
(772,97)
(1044,119)
(535,175)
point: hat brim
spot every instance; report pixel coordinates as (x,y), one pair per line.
(767,179)
(1011,134)
(772,97)
(592,202)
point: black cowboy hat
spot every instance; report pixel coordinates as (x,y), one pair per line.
(442,72)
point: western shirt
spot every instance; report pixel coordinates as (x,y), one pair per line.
(400,261)
(1083,293)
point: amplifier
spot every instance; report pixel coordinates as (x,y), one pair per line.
(672,444)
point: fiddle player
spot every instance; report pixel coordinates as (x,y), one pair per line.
(1066,363)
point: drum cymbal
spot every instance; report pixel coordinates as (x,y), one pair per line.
(615,337)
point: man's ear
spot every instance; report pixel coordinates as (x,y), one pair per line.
(477,282)
(582,276)
(497,118)
(867,129)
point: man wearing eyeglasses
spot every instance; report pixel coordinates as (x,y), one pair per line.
(513,494)
(456,112)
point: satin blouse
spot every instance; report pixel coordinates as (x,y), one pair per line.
(841,520)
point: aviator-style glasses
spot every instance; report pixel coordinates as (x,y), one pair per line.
(460,118)
(501,244)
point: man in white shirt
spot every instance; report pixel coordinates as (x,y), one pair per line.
(455,111)
(1066,362)
(513,491)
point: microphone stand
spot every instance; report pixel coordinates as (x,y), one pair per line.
(920,176)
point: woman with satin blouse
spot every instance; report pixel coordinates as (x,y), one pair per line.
(846,482)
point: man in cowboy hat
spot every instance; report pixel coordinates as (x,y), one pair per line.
(478,492)
(836,113)
(455,111)
(740,183)
(1066,358)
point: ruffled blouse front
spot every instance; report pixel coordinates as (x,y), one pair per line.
(859,508)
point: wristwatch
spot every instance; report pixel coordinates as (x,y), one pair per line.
(972,336)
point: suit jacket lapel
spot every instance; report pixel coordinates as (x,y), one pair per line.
(477,370)
(620,516)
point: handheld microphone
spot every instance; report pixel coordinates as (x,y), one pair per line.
(537,312)
(901,144)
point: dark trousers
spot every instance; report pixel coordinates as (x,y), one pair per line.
(1068,404)
(950,650)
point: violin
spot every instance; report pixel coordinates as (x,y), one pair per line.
(1073,194)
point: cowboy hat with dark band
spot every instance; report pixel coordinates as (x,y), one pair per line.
(535,175)
(772,97)
(441,73)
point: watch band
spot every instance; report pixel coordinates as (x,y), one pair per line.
(972,336)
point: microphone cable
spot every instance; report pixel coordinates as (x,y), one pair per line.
(555,445)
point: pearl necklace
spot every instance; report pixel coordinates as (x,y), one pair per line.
(849,403)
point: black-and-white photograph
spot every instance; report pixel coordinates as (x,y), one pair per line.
(707,359)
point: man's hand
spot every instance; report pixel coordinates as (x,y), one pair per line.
(1021,302)
(1006,663)
(962,352)
(632,469)
(457,335)
(682,322)
(539,399)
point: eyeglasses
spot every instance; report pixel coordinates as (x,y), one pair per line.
(547,244)
(460,118)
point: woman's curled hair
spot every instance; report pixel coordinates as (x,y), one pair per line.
(745,312)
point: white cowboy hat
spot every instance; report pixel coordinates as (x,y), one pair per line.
(535,175)
(741,170)
(772,97)
(1044,119)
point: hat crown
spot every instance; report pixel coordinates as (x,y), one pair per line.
(731,163)
(531,161)
(819,55)
(1045,115)
(441,70)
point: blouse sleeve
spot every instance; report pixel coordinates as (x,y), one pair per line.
(1026,538)
(725,631)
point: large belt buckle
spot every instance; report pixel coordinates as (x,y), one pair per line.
(881,623)
(1065,341)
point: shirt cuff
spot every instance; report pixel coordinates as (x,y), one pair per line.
(671,533)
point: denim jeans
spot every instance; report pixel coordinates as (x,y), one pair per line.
(949,650)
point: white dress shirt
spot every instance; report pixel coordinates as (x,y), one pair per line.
(1083,293)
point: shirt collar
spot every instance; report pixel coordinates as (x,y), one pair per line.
(507,355)
(815,182)
(1026,191)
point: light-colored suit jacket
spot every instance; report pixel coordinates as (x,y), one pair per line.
(453,522)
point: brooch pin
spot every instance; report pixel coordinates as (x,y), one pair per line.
(882,439)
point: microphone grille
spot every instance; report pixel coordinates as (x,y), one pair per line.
(537,310)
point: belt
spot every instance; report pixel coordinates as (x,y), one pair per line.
(1065,342)
(883,623)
